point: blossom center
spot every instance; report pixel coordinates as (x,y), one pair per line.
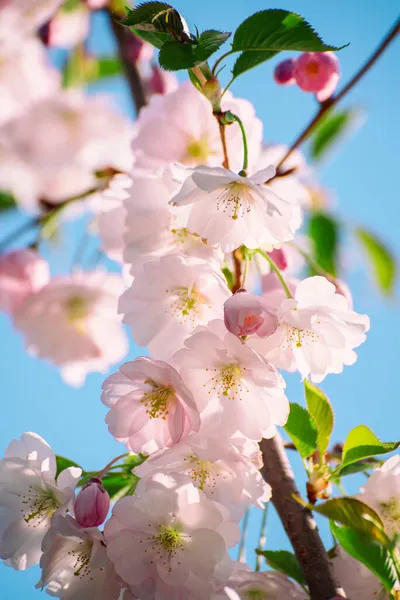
(167,543)
(255,595)
(186,303)
(198,150)
(391,514)
(227,381)
(76,308)
(299,337)
(81,555)
(37,505)
(204,473)
(235,199)
(158,401)
(312,68)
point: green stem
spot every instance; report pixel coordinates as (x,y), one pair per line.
(245,271)
(230,117)
(221,58)
(263,537)
(276,271)
(245,524)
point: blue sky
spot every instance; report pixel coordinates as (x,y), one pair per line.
(364,177)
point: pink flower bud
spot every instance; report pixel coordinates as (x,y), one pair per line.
(317,72)
(92,504)
(279,258)
(245,314)
(284,72)
(22,272)
(212,91)
(162,82)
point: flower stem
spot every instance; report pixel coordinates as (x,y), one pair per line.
(262,537)
(244,137)
(242,544)
(324,107)
(104,471)
(276,270)
(222,134)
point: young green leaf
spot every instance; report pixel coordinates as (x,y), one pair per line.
(176,55)
(320,409)
(332,128)
(117,483)
(144,13)
(302,430)
(7,201)
(324,233)
(354,514)
(363,443)
(373,556)
(284,562)
(63,463)
(210,40)
(268,32)
(155,38)
(382,262)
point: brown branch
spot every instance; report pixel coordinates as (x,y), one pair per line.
(325,106)
(136,85)
(222,134)
(298,522)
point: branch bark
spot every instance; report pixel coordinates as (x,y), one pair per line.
(298,522)
(136,85)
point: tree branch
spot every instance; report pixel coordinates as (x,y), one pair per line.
(298,522)
(325,106)
(136,86)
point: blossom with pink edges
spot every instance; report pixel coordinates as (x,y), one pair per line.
(22,272)
(150,406)
(92,504)
(245,314)
(317,72)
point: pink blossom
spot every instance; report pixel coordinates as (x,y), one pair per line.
(266,584)
(169,298)
(97,4)
(284,72)
(161,82)
(152,227)
(317,331)
(137,50)
(75,563)
(21,19)
(187,132)
(22,272)
(220,469)
(110,222)
(150,406)
(235,388)
(245,314)
(170,541)
(228,210)
(68,28)
(71,321)
(317,72)
(29,495)
(92,504)
(356,579)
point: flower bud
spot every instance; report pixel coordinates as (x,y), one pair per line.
(279,258)
(92,504)
(245,314)
(22,272)
(212,91)
(284,72)
(161,82)
(317,72)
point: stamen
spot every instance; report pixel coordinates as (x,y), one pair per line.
(235,199)
(37,505)
(82,555)
(158,401)
(204,473)
(186,303)
(227,381)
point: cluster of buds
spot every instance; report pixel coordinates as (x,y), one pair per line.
(315,72)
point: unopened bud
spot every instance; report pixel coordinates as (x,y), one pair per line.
(92,504)
(212,91)
(245,314)
(317,72)
(284,72)
(161,82)
(279,258)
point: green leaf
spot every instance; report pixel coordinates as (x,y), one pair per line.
(63,463)
(105,66)
(373,556)
(381,260)
(7,201)
(144,13)
(175,55)
(155,38)
(118,484)
(332,127)
(284,562)
(324,233)
(302,430)
(320,409)
(268,32)
(363,443)
(355,514)
(358,467)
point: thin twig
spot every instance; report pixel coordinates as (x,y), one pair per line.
(325,106)
(135,81)
(222,134)
(298,522)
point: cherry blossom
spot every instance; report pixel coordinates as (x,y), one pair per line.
(92,504)
(382,493)
(150,406)
(358,582)
(317,72)
(317,331)
(22,272)
(161,82)
(169,298)
(110,222)
(216,467)
(170,536)
(29,495)
(266,585)
(236,388)
(68,27)
(71,321)
(187,132)
(245,314)
(229,210)
(20,18)
(74,563)
(152,227)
